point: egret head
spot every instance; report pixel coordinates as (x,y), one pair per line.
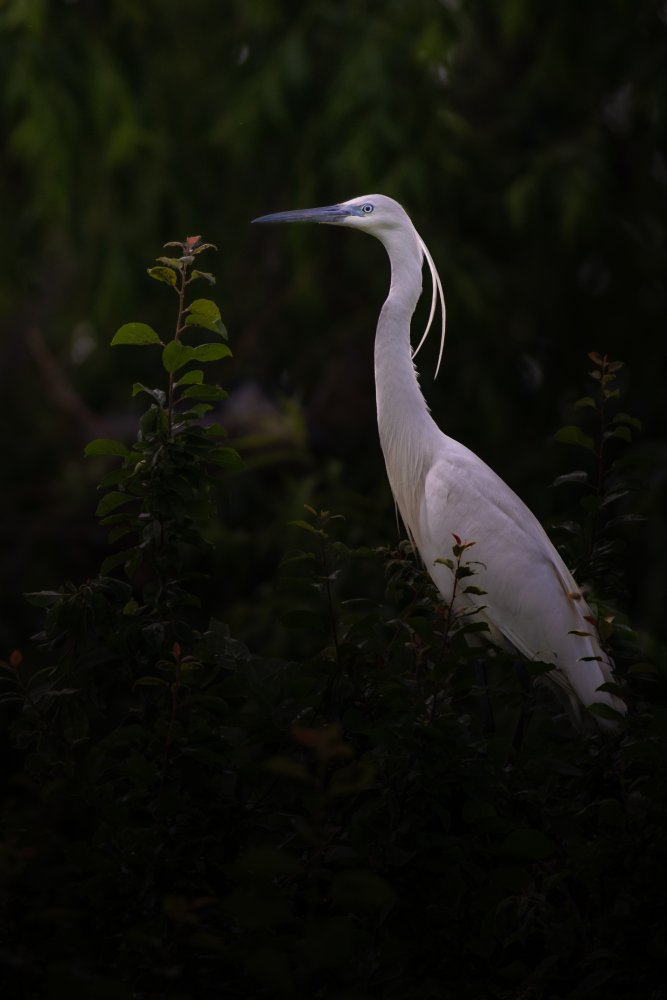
(375,213)
(388,221)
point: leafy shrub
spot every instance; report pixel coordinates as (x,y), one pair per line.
(390,813)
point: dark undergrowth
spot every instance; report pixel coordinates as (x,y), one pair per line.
(388,813)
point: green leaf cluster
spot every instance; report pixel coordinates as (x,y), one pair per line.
(162,498)
(610,487)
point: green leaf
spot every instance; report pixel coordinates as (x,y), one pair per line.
(158,395)
(204,246)
(475,626)
(611,497)
(213,325)
(621,432)
(307,526)
(171,262)
(625,418)
(296,555)
(574,435)
(205,392)
(175,355)
(571,477)
(210,352)
(43,598)
(123,518)
(120,532)
(199,410)
(117,559)
(626,519)
(612,688)
(105,446)
(205,313)
(111,501)
(216,430)
(605,712)
(643,668)
(586,401)
(193,377)
(135,334)
(165,274)
(202,274)
(205,307)
(148,422)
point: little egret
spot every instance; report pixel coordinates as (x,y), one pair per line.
(441,488)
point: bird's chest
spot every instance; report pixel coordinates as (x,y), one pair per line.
(407,462)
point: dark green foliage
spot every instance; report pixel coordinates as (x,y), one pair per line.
(324,808)
(611,487)
(191,824)
(388,813)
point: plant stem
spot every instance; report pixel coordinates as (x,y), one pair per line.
(175,687)
(177,334)
(332,614)
(599,485)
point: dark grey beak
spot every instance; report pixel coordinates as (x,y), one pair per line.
(329,214)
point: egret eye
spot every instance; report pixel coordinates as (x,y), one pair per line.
(367,209)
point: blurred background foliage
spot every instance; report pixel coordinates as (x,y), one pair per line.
(527,141)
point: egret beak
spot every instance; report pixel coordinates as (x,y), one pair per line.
(331,214)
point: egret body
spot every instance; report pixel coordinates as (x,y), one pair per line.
(441,488)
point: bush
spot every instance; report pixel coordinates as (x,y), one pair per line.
(389,813)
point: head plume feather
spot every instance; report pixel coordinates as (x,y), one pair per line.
(437,295)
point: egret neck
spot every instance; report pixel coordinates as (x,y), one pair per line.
(407,430)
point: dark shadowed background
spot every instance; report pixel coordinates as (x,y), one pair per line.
(528,143)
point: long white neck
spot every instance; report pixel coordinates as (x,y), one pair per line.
(407,430)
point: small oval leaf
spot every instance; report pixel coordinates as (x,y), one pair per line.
(204,307)
(136,335)
(210,352)
(175,355)
(571,477)
(111,501)
(105,446)
(210,393)
(574,435)
(194,377)
(165,274)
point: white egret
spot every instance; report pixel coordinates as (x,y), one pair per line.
(442,488)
